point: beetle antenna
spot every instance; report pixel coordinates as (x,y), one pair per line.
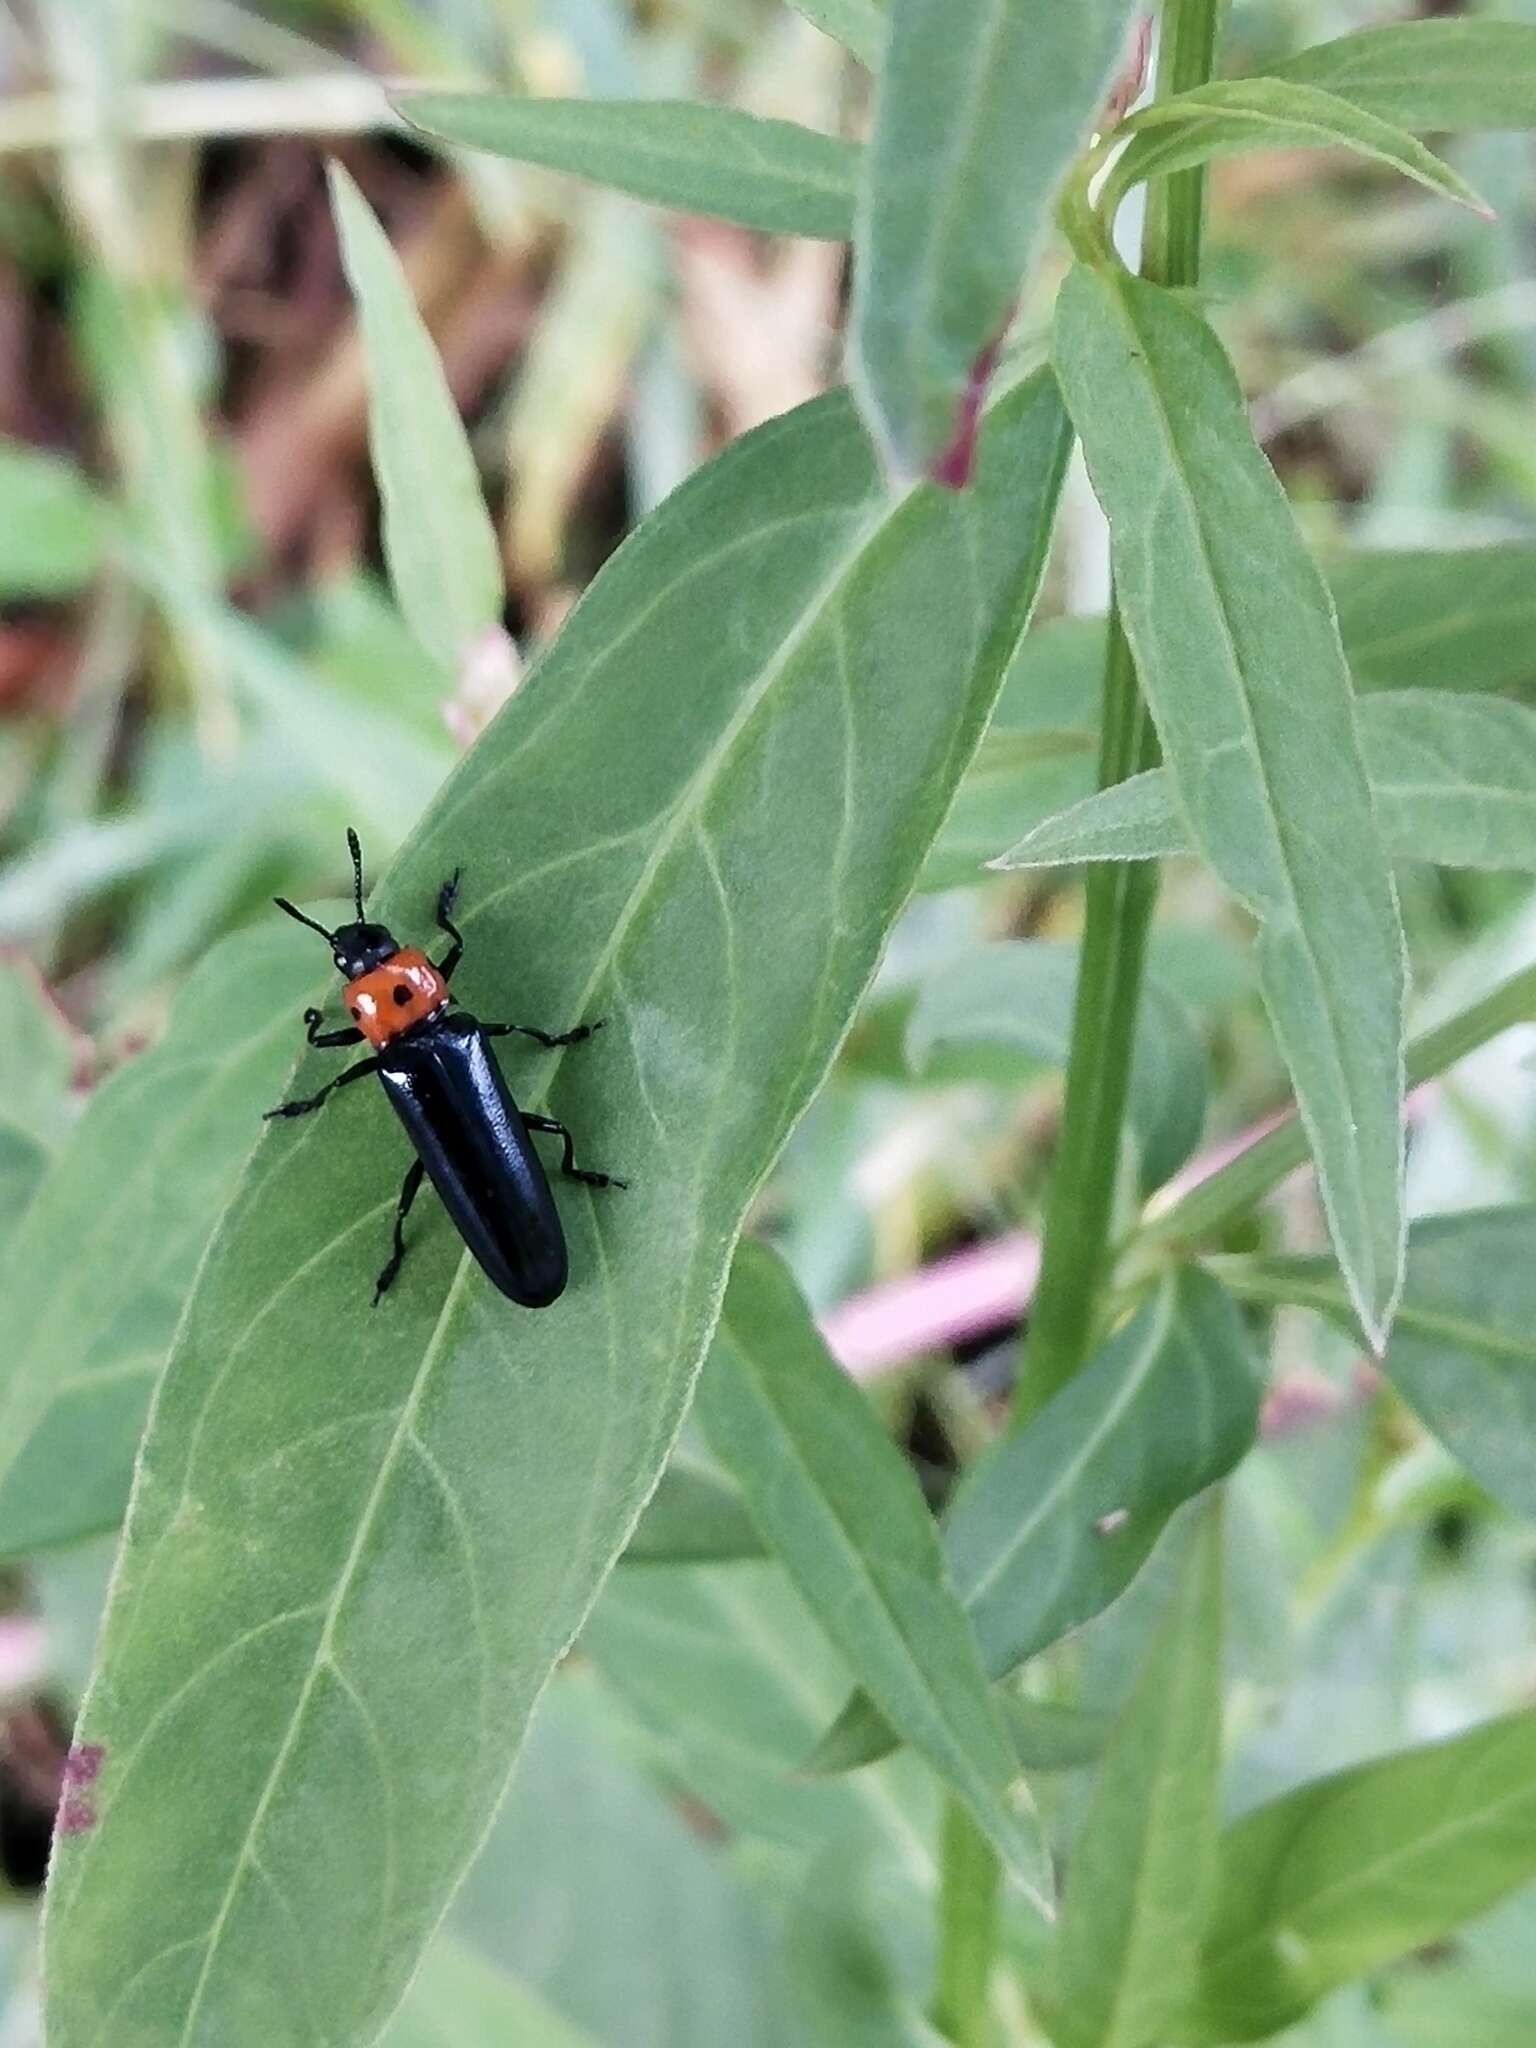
(299,918)
(357,871)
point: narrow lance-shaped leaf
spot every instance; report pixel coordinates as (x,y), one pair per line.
(1238,650)
(841,1510)
(101,1264)
(443,555)
(1141,1878)
(773,175)
(1056,1520)
(697,820)
(55,531)
(1430,74)
(1453,776)
(461,2001)
(982,107)
(1232,116)
(1348,1873)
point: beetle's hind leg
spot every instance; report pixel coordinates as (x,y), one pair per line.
(447,896)
(409,1189)
(568,1164)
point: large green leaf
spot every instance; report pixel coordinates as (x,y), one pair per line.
(37,1058)
(1351,1871)
(443,555)
(841,1509)
(1142,1873)
(1057,1518)
(1453,777)
(54,528)
(773,175)
(1463,1349)
(1231,116)
(1430,74)
(101,1264)
(1237,648)
(697,819)
(1015,997)
(982,106)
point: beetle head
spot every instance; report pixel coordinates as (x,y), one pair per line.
(356,948)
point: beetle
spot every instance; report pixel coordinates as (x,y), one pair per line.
(445,1085)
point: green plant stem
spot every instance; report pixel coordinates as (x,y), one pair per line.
(968,1913)
(1079,1206)
(1243,1182)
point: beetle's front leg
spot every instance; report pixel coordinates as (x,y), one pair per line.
(313,1019)
(549,1038)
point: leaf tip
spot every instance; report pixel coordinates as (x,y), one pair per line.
(956,465)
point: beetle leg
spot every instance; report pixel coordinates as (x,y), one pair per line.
(315,1036)
(410,1187)
(447,896)
(550,1038)
(308,1102)
(568,1164)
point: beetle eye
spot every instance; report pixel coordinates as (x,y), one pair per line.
(402,994)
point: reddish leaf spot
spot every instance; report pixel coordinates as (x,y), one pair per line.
(77,1815)
(83,1764)
(953,468)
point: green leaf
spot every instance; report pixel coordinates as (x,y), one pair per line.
(37,1059)
(1141,1879)
(844,1514)
(1054,1522)
(694,1517)
(696,819)
(101,1264)
(1453,777)
(844,1985)
(726,1669)
(982,107)
(54,529)
(1231,116)
(460,2001)
(443,555)
(1349,1872)
(1446,619)
(861,26)
(1463,1350)
(773,175)
(1430,74)
(600,1891)
(1016,996)
(1238,651)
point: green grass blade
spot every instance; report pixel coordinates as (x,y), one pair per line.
(443,555)
(840,1508)
(697,819)
(861,26)
(1238,651)
(772,175)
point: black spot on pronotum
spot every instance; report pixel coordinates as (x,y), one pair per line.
(356,1011)
(402,994)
